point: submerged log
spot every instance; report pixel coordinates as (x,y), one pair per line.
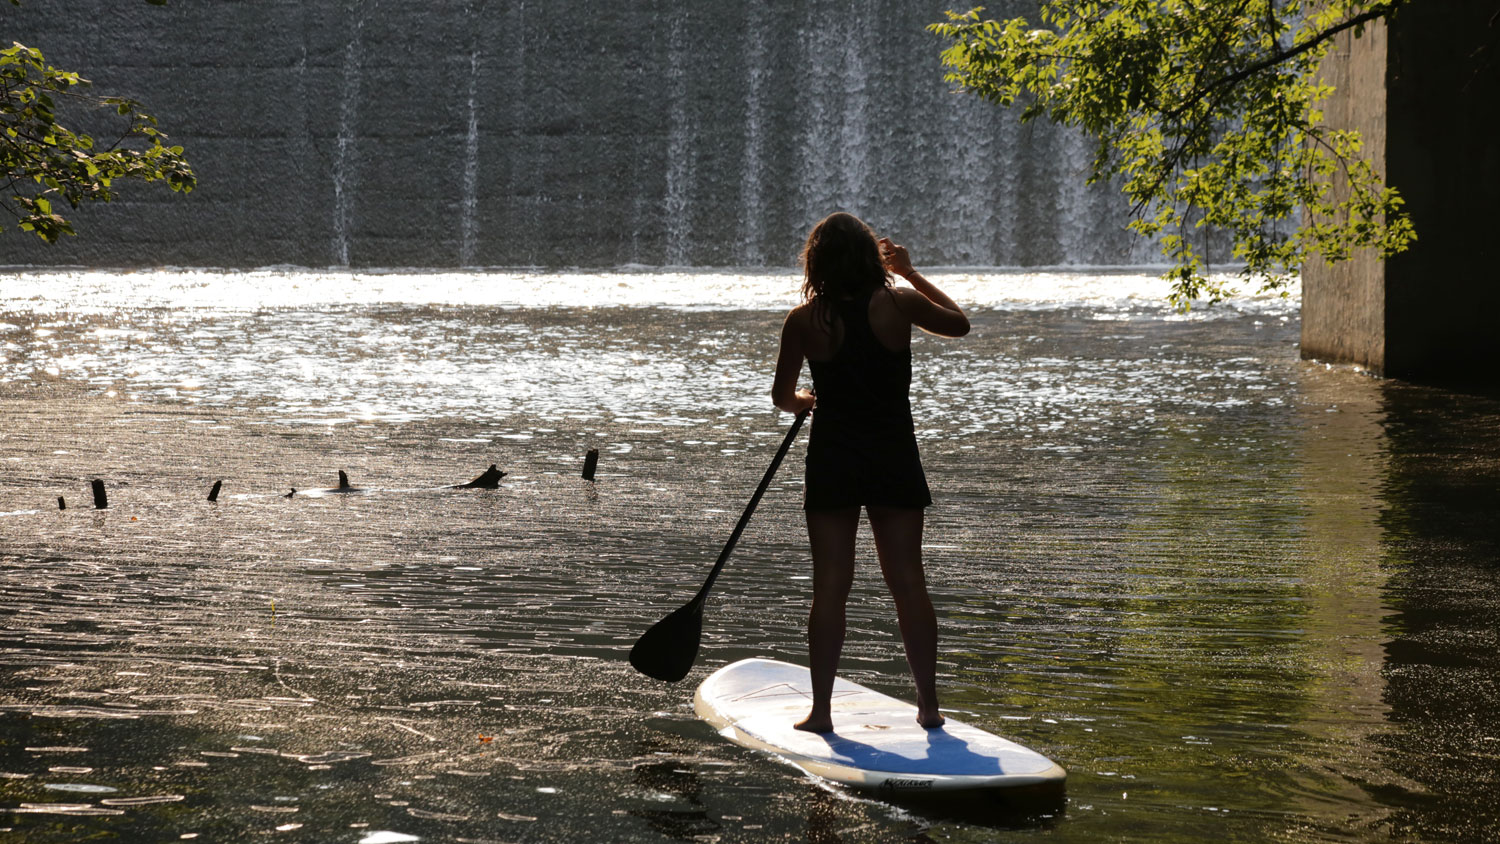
(488,479)
(590,463)
(101,501)
(213,494)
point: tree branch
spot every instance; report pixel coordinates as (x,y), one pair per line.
(1200,128)
(1238,76)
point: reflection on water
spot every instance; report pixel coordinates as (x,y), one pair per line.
(1237,595)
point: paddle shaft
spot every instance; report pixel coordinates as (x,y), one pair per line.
(786,444)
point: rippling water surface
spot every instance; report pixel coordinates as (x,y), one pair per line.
(1236,594)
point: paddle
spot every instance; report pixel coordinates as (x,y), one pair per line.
(667,650)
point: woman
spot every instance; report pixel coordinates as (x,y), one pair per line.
(854,330)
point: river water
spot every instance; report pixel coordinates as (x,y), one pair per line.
(1239,596)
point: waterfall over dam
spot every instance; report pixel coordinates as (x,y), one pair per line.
(466,133)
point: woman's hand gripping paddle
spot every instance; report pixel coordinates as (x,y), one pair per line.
(668,649)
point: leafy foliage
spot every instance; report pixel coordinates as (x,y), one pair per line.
(45,161)
(1208,111)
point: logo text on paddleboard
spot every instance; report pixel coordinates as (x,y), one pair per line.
(898,782)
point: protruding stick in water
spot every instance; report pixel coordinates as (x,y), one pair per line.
(590,463)
(61,504)
(488,479)
(101,501)
(213,494)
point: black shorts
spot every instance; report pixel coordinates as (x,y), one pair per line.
(855,463)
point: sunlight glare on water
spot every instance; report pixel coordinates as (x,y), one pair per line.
(396,347)
(1234,593)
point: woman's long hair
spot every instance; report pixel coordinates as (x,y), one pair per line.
(841,259)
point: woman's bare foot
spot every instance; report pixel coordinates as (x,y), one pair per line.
(929,720)
(815,724)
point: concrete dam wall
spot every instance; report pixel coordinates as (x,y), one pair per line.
(465,133)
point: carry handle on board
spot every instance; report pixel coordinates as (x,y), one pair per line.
(667,650)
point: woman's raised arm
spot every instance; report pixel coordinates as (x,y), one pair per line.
(931,310)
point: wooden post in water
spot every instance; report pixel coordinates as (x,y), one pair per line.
(61,504)
(101,501)
(213,494)
(590,463)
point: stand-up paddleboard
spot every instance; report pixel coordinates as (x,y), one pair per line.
(876,743)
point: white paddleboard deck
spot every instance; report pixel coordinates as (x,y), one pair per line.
(876,742)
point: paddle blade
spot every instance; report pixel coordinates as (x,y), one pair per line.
(667,650)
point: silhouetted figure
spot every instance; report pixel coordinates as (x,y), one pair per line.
(854,330)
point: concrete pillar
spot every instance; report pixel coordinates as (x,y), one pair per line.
(1424,90)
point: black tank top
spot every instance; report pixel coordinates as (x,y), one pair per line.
(864,382)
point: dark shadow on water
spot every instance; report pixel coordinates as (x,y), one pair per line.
(1020,807)
(1441,549)
(1024,807)
(1015,809)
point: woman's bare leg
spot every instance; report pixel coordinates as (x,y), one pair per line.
(831,533)
(898,542)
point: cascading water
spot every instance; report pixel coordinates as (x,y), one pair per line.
(853,142)
(471,163)
(679,152)
(506,135)
(1073,207)
(343,179)
(820,50)
(977,216)
(301,118)
(749,251)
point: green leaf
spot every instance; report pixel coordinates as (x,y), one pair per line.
(40,147)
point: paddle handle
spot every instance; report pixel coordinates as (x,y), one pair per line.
(786,444)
